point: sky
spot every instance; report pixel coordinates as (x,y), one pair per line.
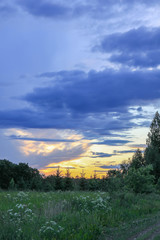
(79,82)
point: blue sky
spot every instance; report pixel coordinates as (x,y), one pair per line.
(79,81)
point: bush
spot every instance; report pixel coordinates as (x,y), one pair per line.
(140,180)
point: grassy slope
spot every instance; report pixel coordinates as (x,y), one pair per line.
(76,215)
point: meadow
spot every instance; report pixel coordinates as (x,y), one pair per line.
(78,215)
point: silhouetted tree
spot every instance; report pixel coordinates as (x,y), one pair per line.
(154,134)
(152,152)
(68,182)
(83,182)
(58,180)
(137,160)
(124,166)
(7,172)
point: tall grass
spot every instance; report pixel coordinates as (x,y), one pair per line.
(73,215)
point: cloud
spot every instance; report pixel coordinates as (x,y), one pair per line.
(40,139)
(109,166)
(101,155)
(58,10)
(115,152)
(141,59)
(68,75)
(141,39)
(137,47)
(94,102)
(97,91)
(62,167)
(125,151)
(139,109)
(44,9)
(6,10)
(112,142)
(94,9)
(67,153)
(138,145)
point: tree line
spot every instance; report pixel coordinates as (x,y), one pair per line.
(141,174)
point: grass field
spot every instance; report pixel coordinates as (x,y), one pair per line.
(78,215)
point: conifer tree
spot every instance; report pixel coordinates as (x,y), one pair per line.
(12,185)
(68,184)
(58,180)
(83,181)
(153,139)
(152,152)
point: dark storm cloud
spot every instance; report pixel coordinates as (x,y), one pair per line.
(106,91)
(40,139)
(137,47)
(141,59)
(141,39)
(97,102)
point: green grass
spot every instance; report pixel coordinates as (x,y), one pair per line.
(75,215)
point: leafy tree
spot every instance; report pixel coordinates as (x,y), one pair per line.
(36,182)
(115,180)
(104,183)
(140,180)
(137,160)
(21,185)
(124,167)
(7,170)
(112,173)
(49,183)
(158,185)
(21,175)
(47,186)
(26,177)
(94,184)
